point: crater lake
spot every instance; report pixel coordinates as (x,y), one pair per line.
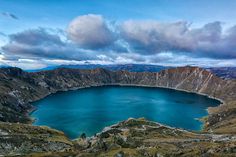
(89,110)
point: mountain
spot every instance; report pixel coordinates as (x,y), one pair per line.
(223,72)
(118,67)
(19,88)
(112,67)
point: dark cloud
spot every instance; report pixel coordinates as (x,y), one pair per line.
(36,37)
(90,31)
(40,43)
(10,15)
(151,37)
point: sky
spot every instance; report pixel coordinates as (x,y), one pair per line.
(35,34)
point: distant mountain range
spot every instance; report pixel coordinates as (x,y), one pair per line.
(113,67)
(223,72)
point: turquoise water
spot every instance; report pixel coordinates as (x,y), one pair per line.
(90,110)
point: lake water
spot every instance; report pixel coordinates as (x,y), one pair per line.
(90,110)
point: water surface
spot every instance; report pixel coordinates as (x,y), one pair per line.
(90,110)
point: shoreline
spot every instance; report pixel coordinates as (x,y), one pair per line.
(201,119)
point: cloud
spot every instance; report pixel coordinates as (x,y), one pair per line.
(152,37)
(10,15)
(3,34)
(42,43)
(92,39)
(170,59)
(36,37)
(3,39)
(90,31)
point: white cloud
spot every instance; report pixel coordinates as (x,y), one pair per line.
(90,31)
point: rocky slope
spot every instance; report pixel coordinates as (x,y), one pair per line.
(139,137)
(19,88)
(130,138)
(23,139)
(224,72)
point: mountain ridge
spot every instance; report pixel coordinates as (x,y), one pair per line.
(41,84)
(223,72)
(19,88)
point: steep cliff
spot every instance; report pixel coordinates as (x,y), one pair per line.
(19,88)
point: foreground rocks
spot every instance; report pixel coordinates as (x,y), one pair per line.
(133,137)
(139,137)
(130,138)
(20,139)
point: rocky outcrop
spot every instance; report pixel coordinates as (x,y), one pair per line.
(139,137)
(19,88)
(25,139)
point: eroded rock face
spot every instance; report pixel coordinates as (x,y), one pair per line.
(18,89)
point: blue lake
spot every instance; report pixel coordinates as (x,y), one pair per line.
(89,110)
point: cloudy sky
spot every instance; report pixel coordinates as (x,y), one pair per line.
(39,33)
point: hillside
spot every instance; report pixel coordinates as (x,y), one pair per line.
(18,88)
